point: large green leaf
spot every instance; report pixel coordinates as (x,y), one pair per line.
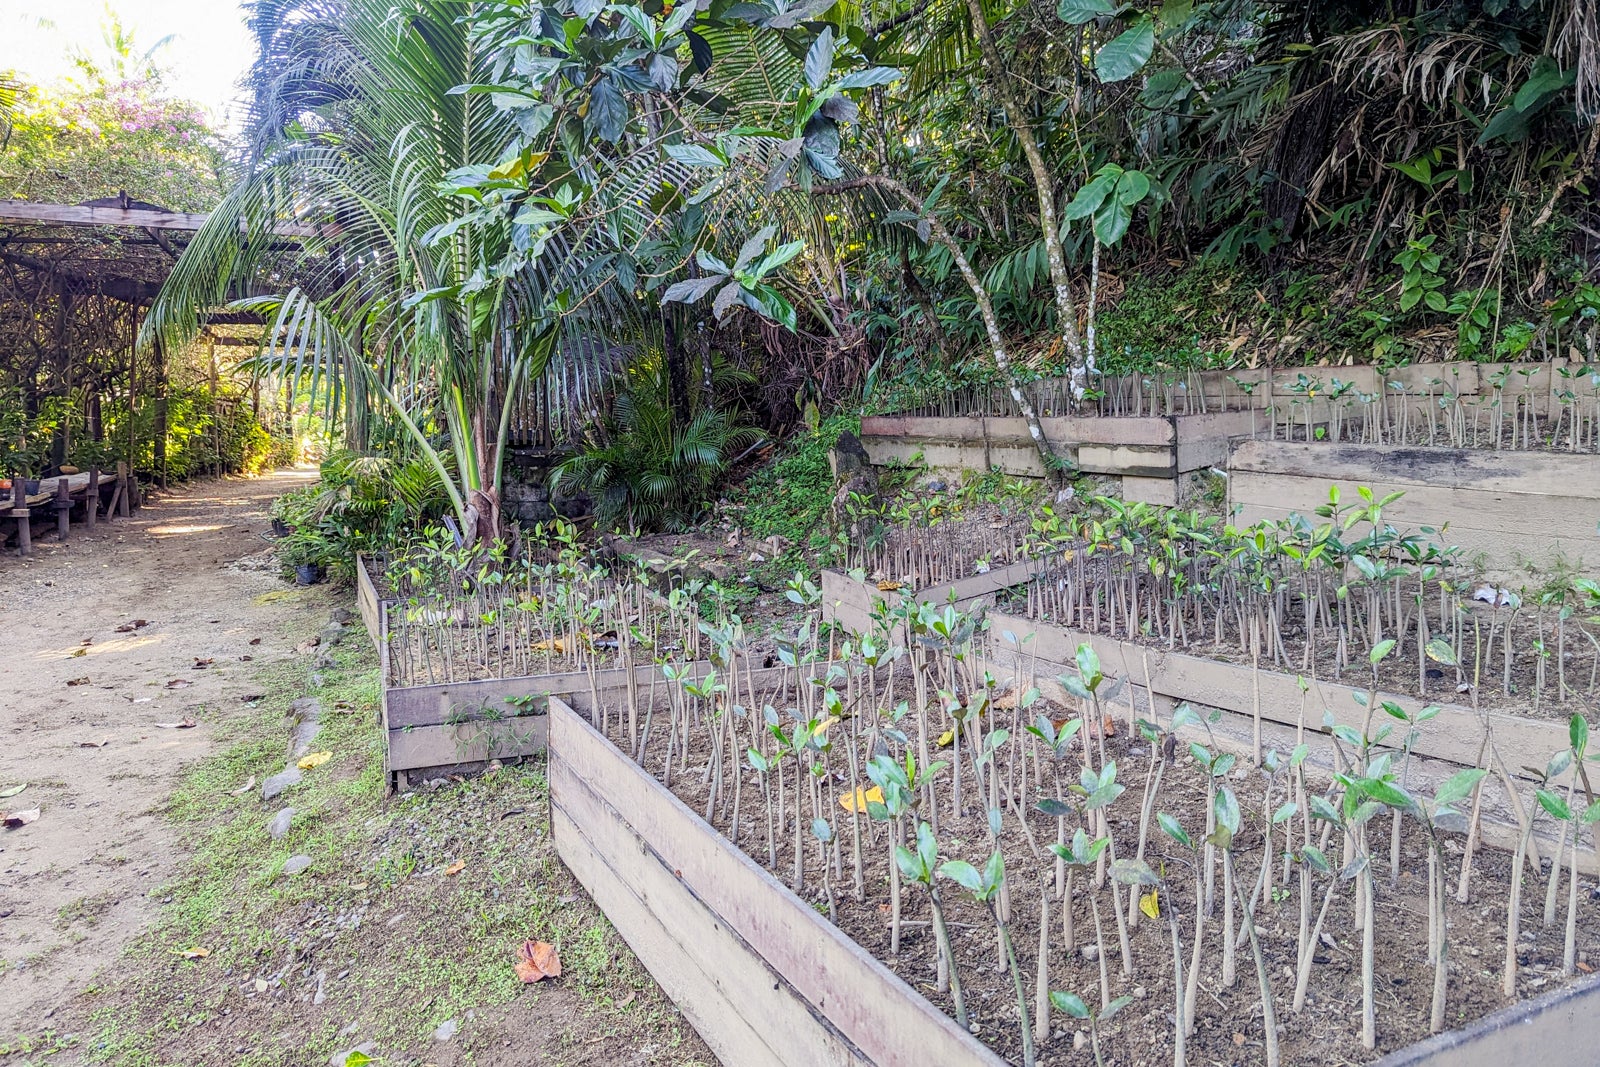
(1124,55)
(1077,12)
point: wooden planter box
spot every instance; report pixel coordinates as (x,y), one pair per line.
(1151,454)
(1507,507)
(853,604)
(759,973)
(1029,650)
(1557,1029)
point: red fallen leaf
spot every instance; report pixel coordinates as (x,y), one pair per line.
(186,724)
(537,960)
(255,640)
(1585,968)
(179,683)
(15,819)
(129,627)
(77,681)
(202,664)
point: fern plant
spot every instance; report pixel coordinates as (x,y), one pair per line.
(645,470)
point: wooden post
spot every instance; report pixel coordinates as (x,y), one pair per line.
(91,499)
(124,487)
(19,511)
(63,506)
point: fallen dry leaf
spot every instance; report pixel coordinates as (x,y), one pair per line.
(129,627)
(246,659)
(179,683)
(196,953)
(861,798)
(455,868)
(537,960)
(255,640)
(12,790)
(15,819)
(315,759)
(77,681)
(202,664)
(243,789)
(94,744)
(186,724)
(87,641)
(79,652)
(887,586)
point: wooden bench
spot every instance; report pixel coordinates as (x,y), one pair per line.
(60,495)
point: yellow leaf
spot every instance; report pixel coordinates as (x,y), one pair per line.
(822,727)
(555,645)
(859,800)
(196,953)
(455,868)
(946,738)
(887,586)
(315,759)
(1150,904)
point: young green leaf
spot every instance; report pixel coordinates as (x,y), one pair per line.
(963,874)
(1070,1003)
(1554,804)
(1174,829)
(1458,786)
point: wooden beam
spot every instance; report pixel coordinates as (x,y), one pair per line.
(86,215)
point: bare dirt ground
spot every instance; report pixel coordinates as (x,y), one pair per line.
(151,917)
(84,689)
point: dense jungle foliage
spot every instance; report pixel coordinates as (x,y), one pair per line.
(637,235)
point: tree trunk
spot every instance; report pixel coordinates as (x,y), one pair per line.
(1053,465)
(677,369)
(1044,187)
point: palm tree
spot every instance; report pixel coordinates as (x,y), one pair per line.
(480,209)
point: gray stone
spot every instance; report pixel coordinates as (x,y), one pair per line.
(274,786)
(319,996)
(300,740)
(446,1030)
(279,826)
(848,455)
(1066,496)
(294,865)
(342,616)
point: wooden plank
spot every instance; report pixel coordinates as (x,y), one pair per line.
(874,1010)
(1560,1028)
(467,742)
(1453,736)
(367,603)
(28,211)
(744,1009)
(1535,473)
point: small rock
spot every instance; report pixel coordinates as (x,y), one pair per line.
(319,996)
(274,786)
(294,865)
(1139,992)
(446,1030)
(279,826)
(1090,952)
(1066,496)
(1079,1040)
(350,1030)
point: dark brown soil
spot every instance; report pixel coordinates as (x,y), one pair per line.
(1228,1026)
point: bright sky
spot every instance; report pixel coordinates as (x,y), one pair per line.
(208,52)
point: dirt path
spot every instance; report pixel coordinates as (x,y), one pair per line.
(83,688)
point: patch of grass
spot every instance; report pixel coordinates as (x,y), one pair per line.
(395,945)
(790,497)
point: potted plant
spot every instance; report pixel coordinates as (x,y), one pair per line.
(306,551)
